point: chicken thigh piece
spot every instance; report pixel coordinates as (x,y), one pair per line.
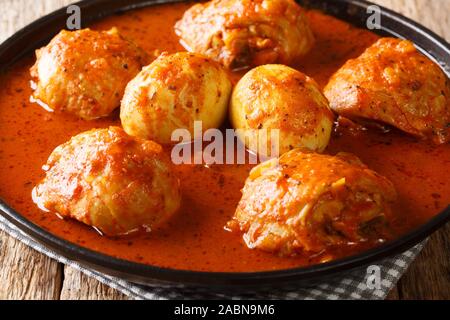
(393,83)
(111,181)
(307,202)
(84,72)
(247,33)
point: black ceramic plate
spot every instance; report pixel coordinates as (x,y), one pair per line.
(354,11)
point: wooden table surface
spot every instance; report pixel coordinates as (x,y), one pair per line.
(27,274)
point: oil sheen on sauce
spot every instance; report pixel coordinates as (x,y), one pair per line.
(195,239)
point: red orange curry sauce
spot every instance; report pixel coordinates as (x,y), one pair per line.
(195,239)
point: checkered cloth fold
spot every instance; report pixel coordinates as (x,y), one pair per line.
(350,285)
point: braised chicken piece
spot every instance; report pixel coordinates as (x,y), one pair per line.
(173,92)
(393,83)
(111,181)
(307,202)
(246,33)
(278,97)
(84,72)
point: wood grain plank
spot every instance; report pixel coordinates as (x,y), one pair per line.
(394,294)
(429,275)
(25,273)
(16,14)
(435,14)
(78,286)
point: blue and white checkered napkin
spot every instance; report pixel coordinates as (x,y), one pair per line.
(351,285)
